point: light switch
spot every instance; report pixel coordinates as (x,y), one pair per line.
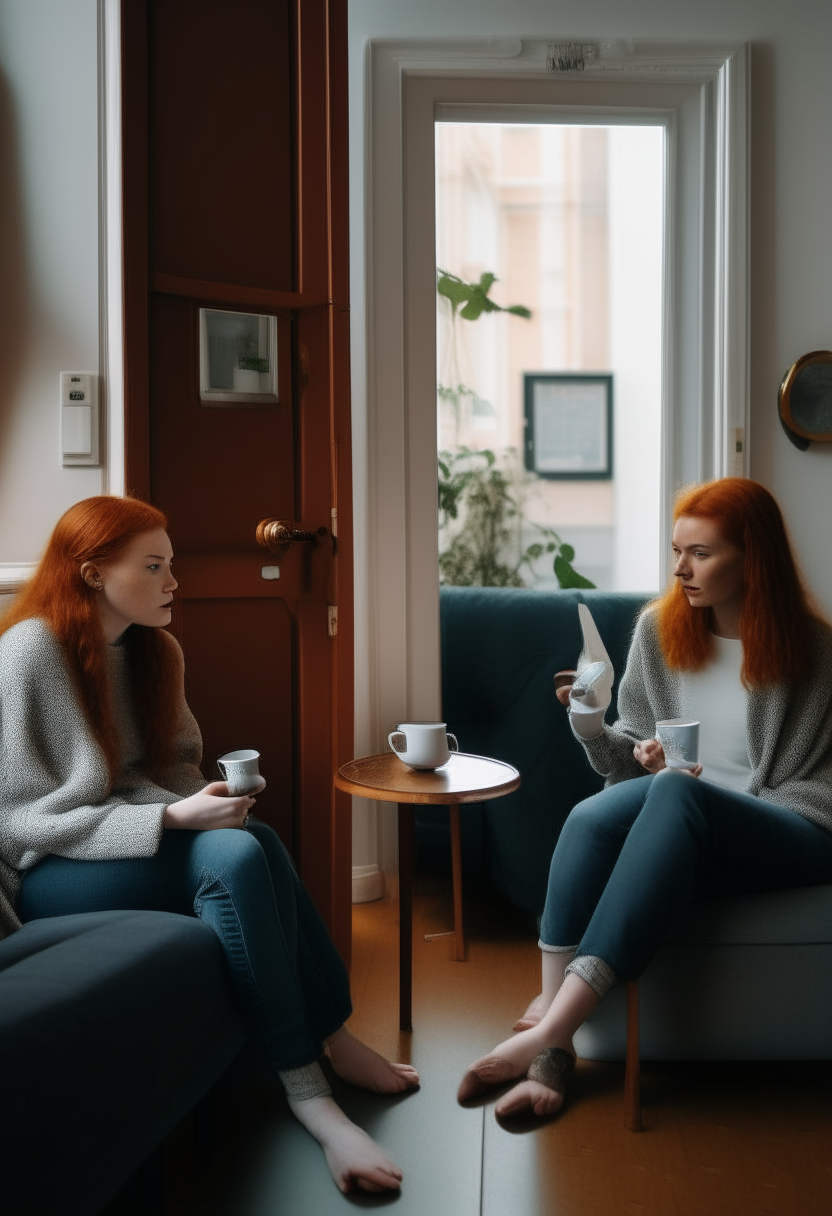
(79,418)
(77,430)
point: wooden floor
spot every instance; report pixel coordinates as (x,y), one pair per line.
(731,1140)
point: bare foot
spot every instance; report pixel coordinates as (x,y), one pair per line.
(354,1159)
(507,1061)
(544,1089)
(357,1063)
(533,1014)
(529,1095)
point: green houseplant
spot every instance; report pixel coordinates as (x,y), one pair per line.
(482,520)
(483,495)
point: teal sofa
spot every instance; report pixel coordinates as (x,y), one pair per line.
(741,978)
(500,650)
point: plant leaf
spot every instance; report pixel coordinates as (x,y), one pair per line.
(453,289)
(473,309)
(567,553)
(567,577)
(474,296)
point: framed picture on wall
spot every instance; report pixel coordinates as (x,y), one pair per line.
(568,424)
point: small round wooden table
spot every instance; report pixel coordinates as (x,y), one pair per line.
(386,778)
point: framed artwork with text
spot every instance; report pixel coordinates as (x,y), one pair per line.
(568,424)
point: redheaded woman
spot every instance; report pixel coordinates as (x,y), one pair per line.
(735,644)
(104,806)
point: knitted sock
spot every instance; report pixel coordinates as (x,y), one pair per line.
(304,1083)
(593,971)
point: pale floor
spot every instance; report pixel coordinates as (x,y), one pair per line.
(719,1140)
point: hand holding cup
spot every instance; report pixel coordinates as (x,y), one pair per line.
(676,746)
(241,770)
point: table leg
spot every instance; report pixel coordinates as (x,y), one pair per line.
(632,1072)
(456,872)
(407,836)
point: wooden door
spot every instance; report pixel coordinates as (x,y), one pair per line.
(234,128)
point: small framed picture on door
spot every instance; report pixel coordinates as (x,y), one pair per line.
(568,424)
(237,358)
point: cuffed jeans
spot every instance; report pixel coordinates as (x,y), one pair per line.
(631,859)
(289,981)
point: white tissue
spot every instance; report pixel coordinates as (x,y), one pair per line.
(591,693)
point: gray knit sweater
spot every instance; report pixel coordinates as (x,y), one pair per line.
(55,790)
(789,726)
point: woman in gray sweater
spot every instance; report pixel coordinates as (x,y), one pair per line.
(736,645)
(104,806)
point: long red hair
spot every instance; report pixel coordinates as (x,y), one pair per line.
(98,530)
(777,613)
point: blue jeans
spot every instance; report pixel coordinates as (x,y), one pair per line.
(289,981)
(631,859)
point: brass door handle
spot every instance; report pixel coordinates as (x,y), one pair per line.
(277,535)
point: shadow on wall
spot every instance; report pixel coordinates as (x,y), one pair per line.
(14,296)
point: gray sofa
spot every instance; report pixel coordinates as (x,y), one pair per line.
(112,1026)
(741,978)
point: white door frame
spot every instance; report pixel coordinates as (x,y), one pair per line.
(700,91)
(110,268)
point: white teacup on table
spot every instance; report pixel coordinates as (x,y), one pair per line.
(680,739)
(423,745)
(241,771)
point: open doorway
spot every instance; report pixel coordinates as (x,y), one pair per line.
(699,93)
(550,276)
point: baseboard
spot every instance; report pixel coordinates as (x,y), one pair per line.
(367,884)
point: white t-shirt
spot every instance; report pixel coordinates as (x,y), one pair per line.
(716,699)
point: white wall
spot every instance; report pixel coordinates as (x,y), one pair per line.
(49,314)
(791,191)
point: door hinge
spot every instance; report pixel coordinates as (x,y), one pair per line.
(736,460)
(334,526)
(332,620)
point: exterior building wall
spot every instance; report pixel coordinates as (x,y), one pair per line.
(531,204)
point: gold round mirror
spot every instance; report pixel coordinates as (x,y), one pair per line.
(805,399)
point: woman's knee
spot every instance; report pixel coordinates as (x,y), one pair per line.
(580,822)
(229,854)
(611,810)
(676,798)
(679,789)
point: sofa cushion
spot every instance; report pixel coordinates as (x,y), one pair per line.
(500,650)
(800,915)
(112,1026)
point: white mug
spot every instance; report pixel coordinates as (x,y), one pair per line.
(680,739)
(423,745)
(241,771)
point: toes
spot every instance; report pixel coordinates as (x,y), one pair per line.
(376,1179)
(408,1075)
(470,1087)
(515,1101)
(400,1077)
(532,1016)
(484,1075)
(529,1096)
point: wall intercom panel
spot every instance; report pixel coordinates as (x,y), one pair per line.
(80,422)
